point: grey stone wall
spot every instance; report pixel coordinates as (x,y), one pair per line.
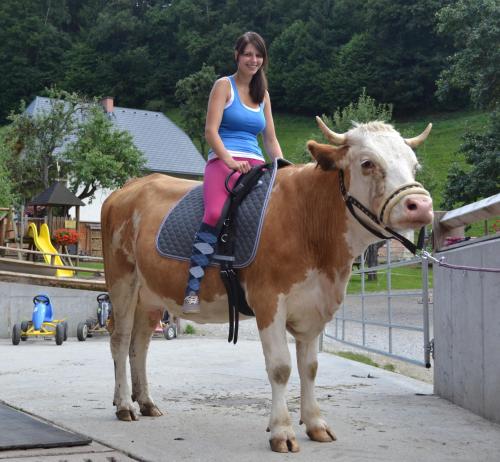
(467,329)
(16,304)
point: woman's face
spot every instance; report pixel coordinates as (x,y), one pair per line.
(250,61)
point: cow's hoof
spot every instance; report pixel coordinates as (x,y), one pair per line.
(281,445)
(126,415)
(150,410)
(322,435)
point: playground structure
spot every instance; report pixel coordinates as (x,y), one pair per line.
(44,244)
(27,252)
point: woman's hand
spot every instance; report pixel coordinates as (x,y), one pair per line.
(241,166)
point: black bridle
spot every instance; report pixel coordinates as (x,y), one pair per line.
(352,202)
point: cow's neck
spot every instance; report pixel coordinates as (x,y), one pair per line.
(323,219)
(358,237)
(332,236)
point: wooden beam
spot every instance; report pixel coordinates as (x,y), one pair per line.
(29,264)
(98,285)
(37,252)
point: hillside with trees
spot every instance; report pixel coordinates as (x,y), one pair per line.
(420,57)
(322,54)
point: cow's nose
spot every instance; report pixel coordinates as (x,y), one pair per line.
(418,208)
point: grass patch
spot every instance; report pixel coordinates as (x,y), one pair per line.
(88,264)
(364,359)
(404,278)
(440,150)
(189,329)
(293,132)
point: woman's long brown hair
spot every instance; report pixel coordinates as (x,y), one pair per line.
(258,84)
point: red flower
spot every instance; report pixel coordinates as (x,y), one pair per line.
(65,236)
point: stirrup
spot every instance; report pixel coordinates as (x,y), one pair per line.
(191,304)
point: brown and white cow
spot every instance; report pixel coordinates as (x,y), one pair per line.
(296,282)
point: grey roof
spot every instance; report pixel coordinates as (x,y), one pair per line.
(166,148)
(56,194)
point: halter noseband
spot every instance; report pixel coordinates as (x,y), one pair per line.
(385,211)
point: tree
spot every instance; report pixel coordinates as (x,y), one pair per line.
(295,75)
(407,53)
(101,157)
(73,139)
(7,197)
(480,177)
(32,45)
(35,141)
(474,27)
(192,92)
(475,67)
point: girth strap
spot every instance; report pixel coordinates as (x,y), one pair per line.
(237,302)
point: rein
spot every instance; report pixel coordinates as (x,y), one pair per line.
(389,203)
(409,188)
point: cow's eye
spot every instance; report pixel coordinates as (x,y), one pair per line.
(367,165)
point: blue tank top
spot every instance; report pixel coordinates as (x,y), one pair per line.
(240,126)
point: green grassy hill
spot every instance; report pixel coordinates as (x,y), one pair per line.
(436,154)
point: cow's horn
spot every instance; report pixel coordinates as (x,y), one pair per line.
(418,140)
(335,138)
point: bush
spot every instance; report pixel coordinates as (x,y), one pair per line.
(480,177)
(365,109)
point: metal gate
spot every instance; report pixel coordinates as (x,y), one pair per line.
(394,323)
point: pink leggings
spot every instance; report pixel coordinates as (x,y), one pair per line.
(214,190)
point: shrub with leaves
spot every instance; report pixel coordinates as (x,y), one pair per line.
(480,177)
(192,92)
(365,109)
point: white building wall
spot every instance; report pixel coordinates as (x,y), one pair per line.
(92,211)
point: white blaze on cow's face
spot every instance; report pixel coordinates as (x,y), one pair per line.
(381,163)
(381,167)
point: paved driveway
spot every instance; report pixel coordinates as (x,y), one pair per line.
(216,400)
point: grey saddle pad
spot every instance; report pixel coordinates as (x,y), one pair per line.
(176,234)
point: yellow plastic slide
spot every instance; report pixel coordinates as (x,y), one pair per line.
(44,244)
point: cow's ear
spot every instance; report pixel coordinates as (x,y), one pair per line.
(327,156)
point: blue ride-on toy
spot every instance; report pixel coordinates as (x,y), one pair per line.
(42,323)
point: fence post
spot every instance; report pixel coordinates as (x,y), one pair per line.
(425,305)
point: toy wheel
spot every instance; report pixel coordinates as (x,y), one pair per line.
(65,324)
(25,325)
(60,334)
(82,331)
(169,332)
(16,334)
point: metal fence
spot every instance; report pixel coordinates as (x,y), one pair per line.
(394,323)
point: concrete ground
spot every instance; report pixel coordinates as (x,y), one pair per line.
(216,400)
